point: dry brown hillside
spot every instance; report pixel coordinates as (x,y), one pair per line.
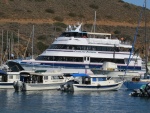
(50,18)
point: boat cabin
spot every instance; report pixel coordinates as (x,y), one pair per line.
(9,76)
(43,77)
(91,79)
(136,78)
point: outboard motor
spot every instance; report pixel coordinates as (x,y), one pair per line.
(18,85)
(68,86)
(142,92)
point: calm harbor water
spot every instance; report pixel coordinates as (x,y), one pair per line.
(53,101)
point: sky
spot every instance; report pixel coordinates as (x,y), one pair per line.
(139,2)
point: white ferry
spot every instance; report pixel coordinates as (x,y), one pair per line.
(77,49)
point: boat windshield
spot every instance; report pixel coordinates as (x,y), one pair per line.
(74,34)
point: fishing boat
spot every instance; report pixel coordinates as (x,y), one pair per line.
(138,82)
(85,82)
(77,49)
(39,80)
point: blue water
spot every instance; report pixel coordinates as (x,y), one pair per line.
(53,101)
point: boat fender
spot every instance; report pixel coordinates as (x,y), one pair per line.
(14,84)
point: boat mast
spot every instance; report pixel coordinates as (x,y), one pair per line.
(32,40)
(7,52)
(2,50)
(146,41)
(18,46)
(95,22)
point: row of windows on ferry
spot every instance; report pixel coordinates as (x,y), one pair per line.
(73,34)
(93,48)
(82,35)
(79,59)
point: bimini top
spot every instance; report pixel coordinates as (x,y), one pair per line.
(2,72)
(80,75)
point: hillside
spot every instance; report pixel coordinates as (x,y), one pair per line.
(50,18)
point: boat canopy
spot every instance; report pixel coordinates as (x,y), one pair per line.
(3,72)
(80,75)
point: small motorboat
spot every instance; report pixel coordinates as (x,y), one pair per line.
(39,80)
(85,82)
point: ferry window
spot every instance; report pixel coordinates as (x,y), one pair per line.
(99,48)
(10,76)
(45,77)
(83,35)
(94,79)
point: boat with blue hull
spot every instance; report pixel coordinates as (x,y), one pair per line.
(138,82)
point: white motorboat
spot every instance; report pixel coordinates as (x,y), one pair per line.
(39,80)
(85,82)
(7,79)
(9,73)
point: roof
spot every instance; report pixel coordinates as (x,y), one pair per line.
(3,72)
(40,71)
(79,75)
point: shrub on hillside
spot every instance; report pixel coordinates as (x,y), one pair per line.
(121,1)
(127,6)
(41,46)
(81,15)
(39,0)
(72,14)
(108,16)
(93,6)
(117,32)
(60,24)
(50,11)
(1,14)
(58,29)
(88,25)
(58,18)
(41,37)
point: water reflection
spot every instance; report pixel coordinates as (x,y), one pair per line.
(53,101)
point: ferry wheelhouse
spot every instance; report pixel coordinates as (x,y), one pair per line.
(78,49)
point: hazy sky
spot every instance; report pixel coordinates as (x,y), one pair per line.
(139,2)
